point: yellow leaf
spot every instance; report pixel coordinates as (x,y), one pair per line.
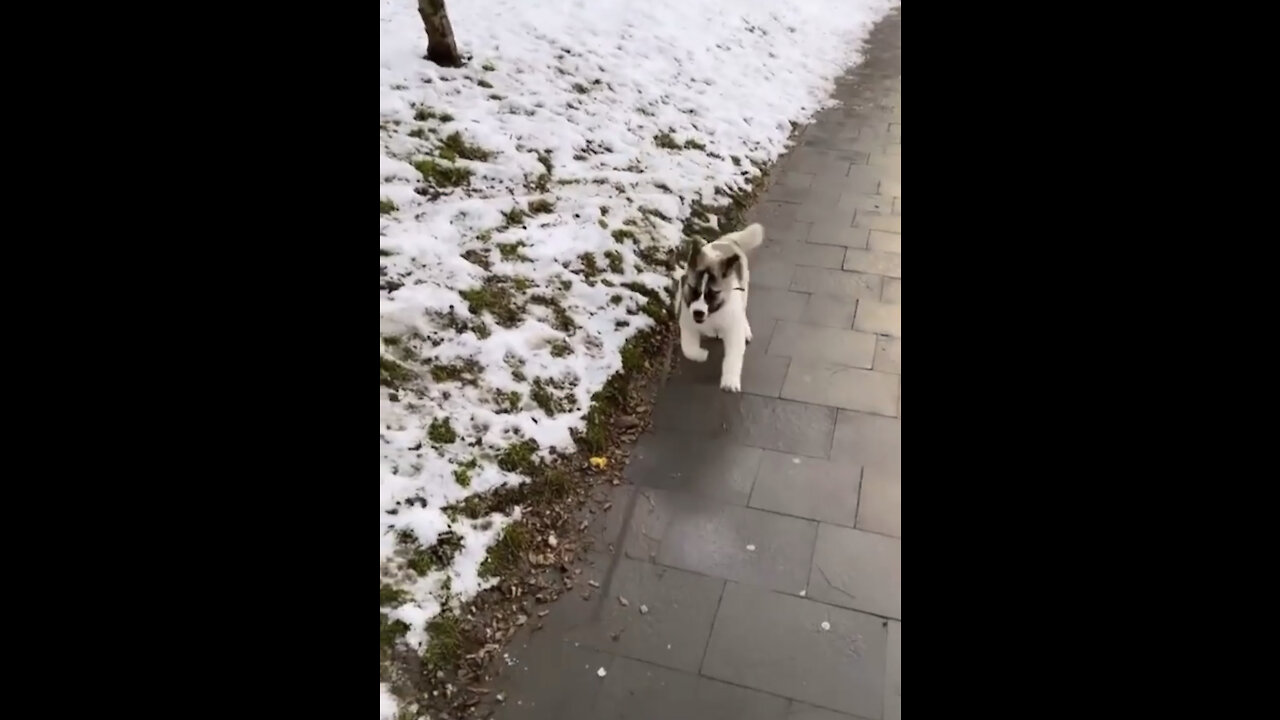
(599,463)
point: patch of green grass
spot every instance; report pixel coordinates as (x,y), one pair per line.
(655,305)
(541,206)
(488,67)
(510,251)
(692,144)
(479,257)
(544,157)
(615,261)
(441,175)
(462,473)
(621,235)
(423,560)
(507,553)
(647,211)
(424,114)
(484,84)
(603,225)
(521,457)
(735,160)
(544,396)
(392,374)
(606,402)
(444,646)
(464,371)
(513,217)
(497,296)
(562,321)
(389,596)
(419,132)
(454,146)
(560,348)
(386,207)
(541,184)
(615,300)
(665,141)
(508,401)
(390,632)
(441,432)
(590,269)
(580,88)
(633,358)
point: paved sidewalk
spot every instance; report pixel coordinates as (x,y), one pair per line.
(759,548)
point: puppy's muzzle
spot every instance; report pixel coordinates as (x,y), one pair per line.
(699,316)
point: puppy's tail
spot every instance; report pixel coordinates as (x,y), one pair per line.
(748,238)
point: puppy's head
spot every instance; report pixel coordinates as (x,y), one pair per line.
(707,279)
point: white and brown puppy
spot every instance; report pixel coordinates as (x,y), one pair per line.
(713,301)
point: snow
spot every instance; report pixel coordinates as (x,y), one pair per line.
(587,88)
(388,704)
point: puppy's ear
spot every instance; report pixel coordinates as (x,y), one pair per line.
(731,265)
(695,248)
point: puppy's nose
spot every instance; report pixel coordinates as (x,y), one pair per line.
(699,315)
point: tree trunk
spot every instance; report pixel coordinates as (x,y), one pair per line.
(441,49)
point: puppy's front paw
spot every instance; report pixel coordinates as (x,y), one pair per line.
(731,384)
(699,355)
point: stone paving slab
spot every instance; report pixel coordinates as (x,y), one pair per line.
(714,468)
(763,422)
(879,318)
(879,503)
(858,570)
(892,291)
(882,241)
(888,356)
(807,488)
(551,680)
(773,304)
(893,673)
(885,221)
(673,633)
(802,711)
(818,381)
(827,281)
(725,541)
(838,233)
(636,691)
(851,348)
(873,262)
(801,253)
(868,440)
(777,643)
(829,312)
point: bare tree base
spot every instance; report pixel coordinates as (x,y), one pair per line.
(441,47)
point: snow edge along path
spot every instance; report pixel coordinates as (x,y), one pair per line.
(613,119)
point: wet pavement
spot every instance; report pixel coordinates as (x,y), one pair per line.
(758,548)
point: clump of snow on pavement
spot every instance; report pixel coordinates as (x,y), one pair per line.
(528,199)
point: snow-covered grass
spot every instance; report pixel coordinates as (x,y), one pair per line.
(528,202)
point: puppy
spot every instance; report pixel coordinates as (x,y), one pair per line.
(713,301)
